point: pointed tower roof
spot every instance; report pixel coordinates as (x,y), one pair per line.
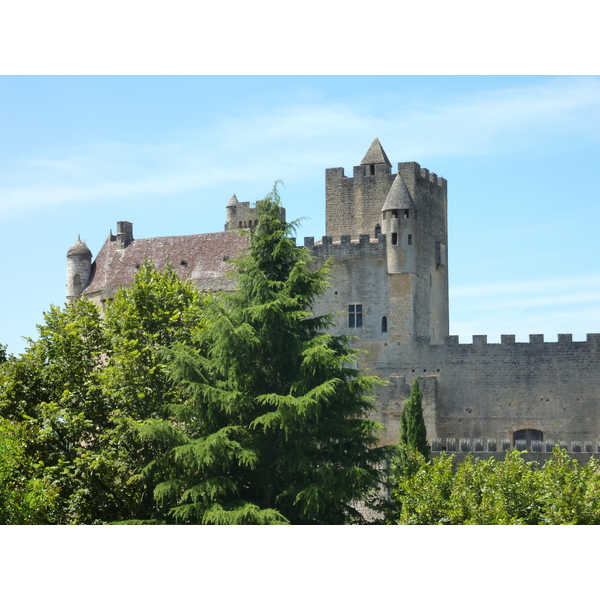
(375,155)
(398,197)
(79,248)
(233,201)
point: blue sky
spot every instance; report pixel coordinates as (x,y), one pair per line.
(521,156)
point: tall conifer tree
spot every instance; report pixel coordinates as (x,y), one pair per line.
(273,428)
(412,423)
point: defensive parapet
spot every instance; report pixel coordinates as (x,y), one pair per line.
(534,338)
(344,246)
(548,389)
(243,215)
(353,204)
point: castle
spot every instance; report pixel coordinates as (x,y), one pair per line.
(387,235)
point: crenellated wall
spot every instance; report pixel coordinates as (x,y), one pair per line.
(493,390)
(243,215)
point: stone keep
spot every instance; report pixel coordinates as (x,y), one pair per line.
(387,235)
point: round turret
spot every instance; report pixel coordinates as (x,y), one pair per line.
(398,215)
(79,248)
(79,268)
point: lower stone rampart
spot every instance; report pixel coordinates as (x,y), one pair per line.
(481,390)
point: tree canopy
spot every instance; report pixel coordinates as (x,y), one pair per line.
(413,433)
(273,425)
(501,492)
(72,400)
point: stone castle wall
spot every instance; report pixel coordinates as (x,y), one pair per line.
(486,390)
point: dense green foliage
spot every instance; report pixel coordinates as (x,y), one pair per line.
(491,492)
(272,428)
(412,423)
(26,498)
(77,394)
(173,407)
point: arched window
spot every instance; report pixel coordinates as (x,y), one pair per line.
(240,225)
(255,222)
(77,279)
(383,324)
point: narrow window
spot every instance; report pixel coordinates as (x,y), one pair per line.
(240,225)
(394,214)
(377,231)
(255,222)
(355,315)
(410,239)
(383,324)
(77,279)
(440,255)
(372,169)
(407,213)
(394,239)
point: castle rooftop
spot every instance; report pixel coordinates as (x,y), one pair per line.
(201,258)
(398,197)
(79,248)
(375,155)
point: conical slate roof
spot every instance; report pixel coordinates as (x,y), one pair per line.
(232,201)
(375,155)
(398,197)
(79,248)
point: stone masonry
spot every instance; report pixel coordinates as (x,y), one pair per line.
(387,236)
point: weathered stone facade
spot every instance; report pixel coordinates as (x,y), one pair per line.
(387,235)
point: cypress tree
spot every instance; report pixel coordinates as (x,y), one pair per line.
(412,424)
(272,426)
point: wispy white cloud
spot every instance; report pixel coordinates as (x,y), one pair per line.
(292,140)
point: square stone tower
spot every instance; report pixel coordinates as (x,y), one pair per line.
(407,213)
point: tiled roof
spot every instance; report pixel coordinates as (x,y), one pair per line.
(201,258)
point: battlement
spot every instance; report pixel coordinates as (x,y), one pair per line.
(413,172)
(328,245)
(496,446)
(408,170)
(243,215)
(535,339)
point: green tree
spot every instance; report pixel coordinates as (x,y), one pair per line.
(273,425)
(50,394)
(413,433)
(79,392)
(25,497)
(570,492)
(491,492)
(423,492)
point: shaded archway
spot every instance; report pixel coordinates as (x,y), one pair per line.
(527,436)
